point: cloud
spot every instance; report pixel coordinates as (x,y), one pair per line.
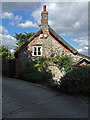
(8,15)
(80,50)
(82,43)
(66,18)
(84,51)
(3,30)
(16,20)
(6,39)
(12,6)
(12,23)
(18,17)
(28,1)
(27,24)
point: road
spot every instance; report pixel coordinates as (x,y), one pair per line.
(27,100)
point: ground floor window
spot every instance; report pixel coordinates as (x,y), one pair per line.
(37,51)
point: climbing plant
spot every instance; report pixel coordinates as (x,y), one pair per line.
(65,62)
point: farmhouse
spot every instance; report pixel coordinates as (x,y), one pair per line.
(45,42)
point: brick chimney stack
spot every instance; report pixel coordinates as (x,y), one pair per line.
(44,20)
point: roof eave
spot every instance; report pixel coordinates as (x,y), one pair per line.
(27,42)
(84,56)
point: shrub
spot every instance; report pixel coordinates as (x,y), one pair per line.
(33,75)
(26,70)
(29,73)
(76,81)
(46,75)
(65,62)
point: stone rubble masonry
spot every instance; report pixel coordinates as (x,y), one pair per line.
(57,74)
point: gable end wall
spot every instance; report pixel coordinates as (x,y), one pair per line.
(49,46)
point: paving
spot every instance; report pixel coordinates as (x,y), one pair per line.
(22,99)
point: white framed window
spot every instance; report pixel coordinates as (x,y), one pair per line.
(37,51)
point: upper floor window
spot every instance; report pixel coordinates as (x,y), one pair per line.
(37,51)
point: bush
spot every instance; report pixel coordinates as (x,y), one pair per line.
(26,70)
(76,81)
(46,75)
(29,74)
(33,75)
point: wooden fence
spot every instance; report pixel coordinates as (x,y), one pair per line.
(11,68)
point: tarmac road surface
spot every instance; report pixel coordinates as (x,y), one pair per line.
(27,100)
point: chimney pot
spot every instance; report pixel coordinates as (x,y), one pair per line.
(44,8)
(41,21)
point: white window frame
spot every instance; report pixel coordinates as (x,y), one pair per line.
(36,50)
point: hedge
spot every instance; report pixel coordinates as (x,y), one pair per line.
(76,81)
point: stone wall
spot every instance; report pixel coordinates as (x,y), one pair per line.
(49,47)
(57,74)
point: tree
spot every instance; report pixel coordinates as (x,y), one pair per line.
(4,52)
(21,38)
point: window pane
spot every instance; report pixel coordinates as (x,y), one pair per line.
(39,49)
(39,53)
(35,49)
(35,53)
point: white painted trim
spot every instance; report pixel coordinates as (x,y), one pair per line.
(36,51)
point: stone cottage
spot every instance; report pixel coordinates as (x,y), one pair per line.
(42,43)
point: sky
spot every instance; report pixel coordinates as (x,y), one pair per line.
(68,19)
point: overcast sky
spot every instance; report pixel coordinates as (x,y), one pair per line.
(68,19)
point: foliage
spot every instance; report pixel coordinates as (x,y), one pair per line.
(46,75)
(5,53)
(11,56)
(29,74)
(32,74)
(42,63)
(21,38)
(76,81)
(64,62)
